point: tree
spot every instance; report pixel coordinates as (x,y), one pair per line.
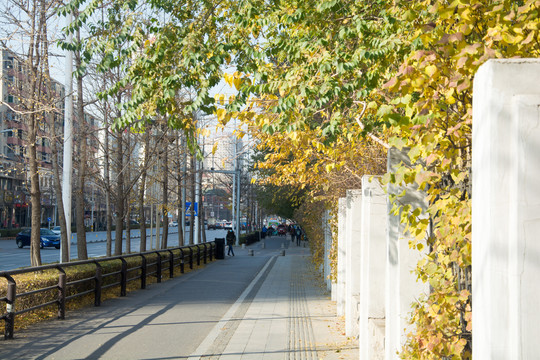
(33,102)
(81,146)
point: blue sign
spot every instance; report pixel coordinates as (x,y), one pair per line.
(49,219)
(188,209)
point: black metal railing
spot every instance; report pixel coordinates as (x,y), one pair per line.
(166,259)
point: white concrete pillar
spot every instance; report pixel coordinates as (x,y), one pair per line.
(352,262)
(372,269)
(341,257)
(327,231)
(402,289)
(506,210)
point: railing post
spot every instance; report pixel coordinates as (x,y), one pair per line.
(123,277)
(171,264)
(182,260)
(10,307)
(98,283)
(158,275)
(191,258)
(198,255)
(62,294)
(143,272)
(211,251)
(205,253)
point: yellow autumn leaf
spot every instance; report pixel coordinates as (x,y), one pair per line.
(228,78)
(431,70)
(220,113)
(237,83)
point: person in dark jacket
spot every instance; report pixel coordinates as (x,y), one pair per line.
(298,235)
(231,240)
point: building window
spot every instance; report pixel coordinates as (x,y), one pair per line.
(8,64)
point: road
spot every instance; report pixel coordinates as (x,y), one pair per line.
(11,257)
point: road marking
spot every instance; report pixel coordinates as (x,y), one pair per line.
(208,342)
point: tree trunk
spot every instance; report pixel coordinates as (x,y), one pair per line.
(35,196)
(33,58)
(128,223)
(182,210)
(108,212)
(127,196)
(82,154)
(202,215)
(119,195)
(54,156)
(142,188)
(158,225)
(165,188)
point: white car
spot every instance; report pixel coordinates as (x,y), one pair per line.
(56,230)
(228,225)
(174,224)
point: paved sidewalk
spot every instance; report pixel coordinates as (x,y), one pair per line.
(280,311)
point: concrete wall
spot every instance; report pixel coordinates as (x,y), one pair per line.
(352,262)
(506,210)
(402,289)
(372,273)
(341,257)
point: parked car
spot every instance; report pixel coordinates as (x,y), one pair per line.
(47,239)
(228,225)
(281,229)
(57,230)
(174,224)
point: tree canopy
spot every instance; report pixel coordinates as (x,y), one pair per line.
(327,87)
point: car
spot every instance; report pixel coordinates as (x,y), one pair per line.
(57,230)
(174,224)
(228,225)
(47,239)
(281,230)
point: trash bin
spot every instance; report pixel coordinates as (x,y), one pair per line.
(220,248)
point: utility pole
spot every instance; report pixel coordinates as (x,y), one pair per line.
(233,200)
(68,143)
(238,173)
(195,220)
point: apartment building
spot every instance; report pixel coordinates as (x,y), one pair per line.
(14,172)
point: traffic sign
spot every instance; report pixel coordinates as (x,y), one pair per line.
(188,208)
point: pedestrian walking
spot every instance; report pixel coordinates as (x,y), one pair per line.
(298,235)
(231,240)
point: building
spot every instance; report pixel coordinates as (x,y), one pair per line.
(14,177)
(14,172)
